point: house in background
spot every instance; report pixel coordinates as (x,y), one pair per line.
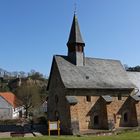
(135,78)
(41,109)
(10,106)
(44,106)
(90,93)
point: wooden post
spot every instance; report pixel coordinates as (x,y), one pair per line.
(49,128)
(58,125)
(54,126)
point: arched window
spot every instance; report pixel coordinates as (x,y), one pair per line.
(96,120)
(56,99)
(125,117)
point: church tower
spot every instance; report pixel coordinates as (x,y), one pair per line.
(75,44)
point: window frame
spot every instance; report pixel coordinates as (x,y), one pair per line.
(88,98)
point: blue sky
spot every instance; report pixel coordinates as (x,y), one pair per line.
(32,31)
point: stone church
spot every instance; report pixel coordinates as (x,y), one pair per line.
(90,93)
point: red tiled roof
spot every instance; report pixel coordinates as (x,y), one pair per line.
(11,98)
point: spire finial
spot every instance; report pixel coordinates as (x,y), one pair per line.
(75,36)
(75,7)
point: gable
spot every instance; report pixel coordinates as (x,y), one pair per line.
(11,99)
(54,78)
(4,103)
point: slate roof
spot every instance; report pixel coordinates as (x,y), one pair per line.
(71,100)
(107,98)
(95,74)
(135,79)
(136,98)
(75,34)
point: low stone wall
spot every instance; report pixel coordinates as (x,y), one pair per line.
(24,129)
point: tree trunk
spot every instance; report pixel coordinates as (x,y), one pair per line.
(26,112)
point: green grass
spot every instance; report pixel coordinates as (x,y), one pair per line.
(124,136)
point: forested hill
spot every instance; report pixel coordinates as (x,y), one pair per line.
(133,69)
(11,81)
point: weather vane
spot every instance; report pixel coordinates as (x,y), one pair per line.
(75,7)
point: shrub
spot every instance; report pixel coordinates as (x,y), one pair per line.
(9,122)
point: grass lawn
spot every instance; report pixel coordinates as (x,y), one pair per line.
(124,136)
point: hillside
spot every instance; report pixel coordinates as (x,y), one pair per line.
(31,88)
(10,81)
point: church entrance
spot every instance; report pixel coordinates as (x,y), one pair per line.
(96,121)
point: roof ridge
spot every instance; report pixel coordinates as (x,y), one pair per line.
(103,59)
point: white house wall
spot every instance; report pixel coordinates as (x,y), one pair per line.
(44,107)
(16,112)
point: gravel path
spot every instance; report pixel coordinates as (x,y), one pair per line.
(7,134)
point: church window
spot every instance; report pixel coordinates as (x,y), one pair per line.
(56,99)
(57,115)
(71,49)
(79,48)
(88,98)
(119,97)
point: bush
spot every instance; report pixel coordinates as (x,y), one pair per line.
(9,122)
(40,120)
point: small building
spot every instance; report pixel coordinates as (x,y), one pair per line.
(44,107)
(135,78)
(41,109)
(10,106)
(90,93)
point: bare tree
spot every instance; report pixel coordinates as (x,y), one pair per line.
(22,74)
(29,95)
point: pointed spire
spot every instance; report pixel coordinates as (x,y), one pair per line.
(75,34)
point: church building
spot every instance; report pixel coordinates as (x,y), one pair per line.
(90,93)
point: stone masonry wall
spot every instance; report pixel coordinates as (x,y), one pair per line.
(74,119)
(58,108)
(116,111)
(110,115)
(137,104)
(94,114)
(85,111)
